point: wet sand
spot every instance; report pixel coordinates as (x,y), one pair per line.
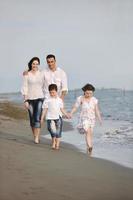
(30,171)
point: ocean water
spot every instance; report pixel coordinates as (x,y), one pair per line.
(114,139)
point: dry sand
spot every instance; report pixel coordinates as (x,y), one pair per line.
(31,172)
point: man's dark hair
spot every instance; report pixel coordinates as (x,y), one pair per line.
(52,87)
(88,87)
(31,61)
(50,56)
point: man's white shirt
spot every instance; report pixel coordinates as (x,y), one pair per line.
(57,77)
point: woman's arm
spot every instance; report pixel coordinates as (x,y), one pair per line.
(44,112)
(24,91)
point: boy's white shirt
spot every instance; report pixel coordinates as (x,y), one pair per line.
(54,105)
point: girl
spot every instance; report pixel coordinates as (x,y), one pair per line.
(89,111)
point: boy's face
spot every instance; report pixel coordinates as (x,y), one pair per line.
(88,93)
(53,93)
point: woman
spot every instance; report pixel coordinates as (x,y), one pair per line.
(32,91)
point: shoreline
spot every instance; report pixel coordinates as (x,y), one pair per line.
(14,111)
(30,171)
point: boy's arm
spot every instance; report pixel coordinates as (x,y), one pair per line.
(98,115)
(64,112)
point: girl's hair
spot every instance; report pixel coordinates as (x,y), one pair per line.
(52,87)
(31,61)
(88,87)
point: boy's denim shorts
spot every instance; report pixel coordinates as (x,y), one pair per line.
(55,127)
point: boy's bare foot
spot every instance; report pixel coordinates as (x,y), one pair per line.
(57,147)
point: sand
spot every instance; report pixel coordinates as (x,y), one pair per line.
(29,171)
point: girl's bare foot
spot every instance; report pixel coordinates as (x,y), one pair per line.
(89,150)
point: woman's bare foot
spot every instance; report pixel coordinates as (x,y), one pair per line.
(36,140)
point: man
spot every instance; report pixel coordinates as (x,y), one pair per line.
(54,75)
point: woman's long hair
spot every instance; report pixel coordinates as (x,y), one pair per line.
(31,61)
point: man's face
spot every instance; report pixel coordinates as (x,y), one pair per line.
(51,63)
(53,93)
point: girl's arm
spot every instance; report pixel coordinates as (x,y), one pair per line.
(76,106)
(98,115)
(44,112)
(74,109)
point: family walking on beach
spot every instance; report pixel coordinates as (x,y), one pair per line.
(44,92)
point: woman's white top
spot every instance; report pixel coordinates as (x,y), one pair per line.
(33,85)
(54,105)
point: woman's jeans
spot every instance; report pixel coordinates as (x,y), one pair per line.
(35,111)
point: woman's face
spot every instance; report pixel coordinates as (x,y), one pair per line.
(35,65)
(88,93)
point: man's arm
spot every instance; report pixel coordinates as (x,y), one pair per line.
(64,86)
(63,94)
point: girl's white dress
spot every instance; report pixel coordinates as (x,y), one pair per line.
(87,114)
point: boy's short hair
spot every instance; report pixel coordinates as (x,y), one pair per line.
(88,87)
(53,87)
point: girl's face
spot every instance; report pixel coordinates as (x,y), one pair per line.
(88,93)
(35,65)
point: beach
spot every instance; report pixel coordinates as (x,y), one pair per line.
(30,171)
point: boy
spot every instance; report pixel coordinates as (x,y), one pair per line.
(52,109)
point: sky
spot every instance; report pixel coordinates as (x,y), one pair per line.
(92,40)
